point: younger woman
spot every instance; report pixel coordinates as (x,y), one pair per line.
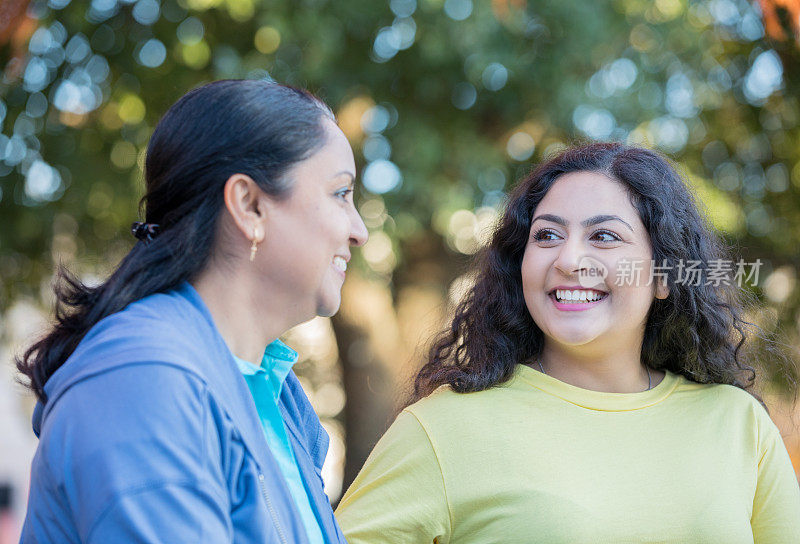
(573,400)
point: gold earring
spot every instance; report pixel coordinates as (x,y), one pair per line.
(254,245)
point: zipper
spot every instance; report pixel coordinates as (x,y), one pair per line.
(271,509)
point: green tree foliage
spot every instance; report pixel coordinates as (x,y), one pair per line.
(447,103)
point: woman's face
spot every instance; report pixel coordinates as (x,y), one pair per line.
(586,225)
(309,233)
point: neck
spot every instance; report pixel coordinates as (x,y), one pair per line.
(242,318)
(617,372)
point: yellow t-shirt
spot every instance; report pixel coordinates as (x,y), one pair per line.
(540,460)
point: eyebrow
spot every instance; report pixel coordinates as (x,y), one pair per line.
(348,174)
(586,223)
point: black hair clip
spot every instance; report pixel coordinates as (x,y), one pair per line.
(145,231)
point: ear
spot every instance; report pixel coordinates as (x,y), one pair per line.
(245,201)
(662,290)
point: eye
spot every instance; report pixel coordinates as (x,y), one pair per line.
(343,193)
(544,235)
(606,236)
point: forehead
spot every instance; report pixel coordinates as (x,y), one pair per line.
(327,165)
(580,195)
(336,153)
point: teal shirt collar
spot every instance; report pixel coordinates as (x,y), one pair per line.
(276,363)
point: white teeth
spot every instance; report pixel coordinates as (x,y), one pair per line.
(578,295)
(340,263)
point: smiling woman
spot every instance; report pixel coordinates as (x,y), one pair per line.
(560,248)
(168,410)
(573,399)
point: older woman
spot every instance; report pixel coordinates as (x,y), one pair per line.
(574,400)
(168,411)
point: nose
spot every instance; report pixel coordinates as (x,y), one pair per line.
(358,230)
(569,257)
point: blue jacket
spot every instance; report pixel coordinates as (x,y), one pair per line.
(150,434)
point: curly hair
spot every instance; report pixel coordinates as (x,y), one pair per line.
(698,331)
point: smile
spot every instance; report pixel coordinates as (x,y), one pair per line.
(576,299)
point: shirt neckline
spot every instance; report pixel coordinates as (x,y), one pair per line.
(599,400)
(276,363)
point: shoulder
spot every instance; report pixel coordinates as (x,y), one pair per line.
(148,352)
(116,418)
(157,330)
(442,400)
(145,429)
(150,396)
(735,408)
(161,321)
(730,398)
(439,411)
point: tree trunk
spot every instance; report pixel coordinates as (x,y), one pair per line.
(382,339)
(369,390)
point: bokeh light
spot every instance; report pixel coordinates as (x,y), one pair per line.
(458,10)
(596,123)
(764,77)
(42,181)
(464,95)
(403,8)
(267,39)
(495,76)
(381,176)
(152,53)
(376,147)
(520,146)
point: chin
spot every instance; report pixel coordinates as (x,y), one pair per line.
(328,308)
(573,337)
(573,341)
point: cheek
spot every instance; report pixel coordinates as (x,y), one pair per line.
(337,222)
(533,278)
(631,304)
(532,269)
(627,271)
(628,283)
(528,281)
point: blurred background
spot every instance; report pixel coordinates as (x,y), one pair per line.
(446,103)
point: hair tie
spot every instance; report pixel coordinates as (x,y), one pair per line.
(145,231)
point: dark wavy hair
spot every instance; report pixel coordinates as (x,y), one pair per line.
(698,331)
(257,128)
